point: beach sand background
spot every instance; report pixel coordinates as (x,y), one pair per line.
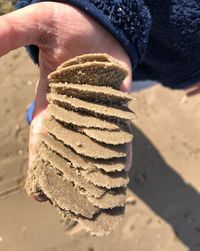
(164,213)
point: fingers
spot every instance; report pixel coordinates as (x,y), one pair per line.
(40,97)
(126,86)
(36,129)
(22,28)
(16,30)
(38,115)
(125,63)
(26,26)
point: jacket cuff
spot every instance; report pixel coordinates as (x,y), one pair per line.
(129,21)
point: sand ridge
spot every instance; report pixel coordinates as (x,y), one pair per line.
(77,119)
(82,144)
(101,94)
(87,58)
(98,110)
(94,73)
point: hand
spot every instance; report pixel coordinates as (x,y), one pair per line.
(61,32)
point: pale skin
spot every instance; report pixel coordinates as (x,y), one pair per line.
(61,32)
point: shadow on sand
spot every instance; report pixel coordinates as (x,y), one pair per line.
(165,192)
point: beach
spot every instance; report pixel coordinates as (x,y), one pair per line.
(164,200)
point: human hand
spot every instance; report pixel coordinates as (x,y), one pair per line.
(61,32)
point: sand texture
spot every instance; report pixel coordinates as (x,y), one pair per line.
(99,94)
(87,58)
(117,164)
(72,174)
(82,144)
(117,137)
(94,73)
(65,195)
(78,119)
(82,152)
(163,198)
(98,110)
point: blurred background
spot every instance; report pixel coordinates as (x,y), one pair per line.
(164,209)
(7,6)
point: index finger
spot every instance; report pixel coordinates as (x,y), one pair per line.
(22,27)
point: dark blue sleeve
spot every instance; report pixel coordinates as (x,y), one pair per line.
(129,21)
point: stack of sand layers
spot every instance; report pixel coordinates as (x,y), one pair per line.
(81,156)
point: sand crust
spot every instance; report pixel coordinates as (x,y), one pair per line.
(64,194)
(112,165)
(76,160)
(108,180)
(110,199)
(99,94)
(93,73)
(87,58)
(82,144)
(77,119)
(72,174)
(109,137)
(90,108)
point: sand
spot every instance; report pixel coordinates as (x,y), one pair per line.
(98,110)
(87,58)
(101,94)
(63,193)
(95,73)
(163,213)
(78,119)
(109,137)
(70,137)
(71,174)
(82,144)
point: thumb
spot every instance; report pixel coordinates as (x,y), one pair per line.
(26,26)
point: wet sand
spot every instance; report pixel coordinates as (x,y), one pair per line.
(165,178)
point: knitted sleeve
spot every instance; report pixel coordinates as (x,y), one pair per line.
(129,21)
